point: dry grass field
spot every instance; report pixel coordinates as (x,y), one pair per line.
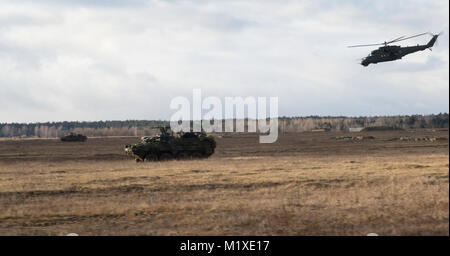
(305,184)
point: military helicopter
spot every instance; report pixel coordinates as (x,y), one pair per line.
(394,52)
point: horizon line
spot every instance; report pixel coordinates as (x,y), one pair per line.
(280,117)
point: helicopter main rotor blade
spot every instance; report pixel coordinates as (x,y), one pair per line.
(402,38)
(385,43)
(398,40)
(363,45)
(395,40)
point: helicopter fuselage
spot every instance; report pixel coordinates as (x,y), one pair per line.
(394,52)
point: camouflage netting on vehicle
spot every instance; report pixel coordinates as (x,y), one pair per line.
(168,146)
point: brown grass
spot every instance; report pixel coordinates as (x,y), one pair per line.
(306,184)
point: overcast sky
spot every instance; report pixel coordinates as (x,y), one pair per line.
(118,60)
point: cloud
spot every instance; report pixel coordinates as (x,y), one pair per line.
(98,60)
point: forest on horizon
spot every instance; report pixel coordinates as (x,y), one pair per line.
(285,124)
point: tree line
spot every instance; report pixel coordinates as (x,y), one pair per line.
(285,124)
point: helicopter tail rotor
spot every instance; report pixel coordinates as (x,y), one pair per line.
(433,40)
(431,34)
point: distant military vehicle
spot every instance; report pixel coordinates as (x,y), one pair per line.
(74,137)
(168,145)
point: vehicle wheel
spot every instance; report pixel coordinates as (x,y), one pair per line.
(137,160)
(183,156)
(197,155)
(165,157)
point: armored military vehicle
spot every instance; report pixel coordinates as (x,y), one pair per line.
(168,145)
(74,137)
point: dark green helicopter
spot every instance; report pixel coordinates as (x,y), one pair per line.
(394,52)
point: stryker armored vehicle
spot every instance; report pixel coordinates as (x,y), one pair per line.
(74,137)
(167,146)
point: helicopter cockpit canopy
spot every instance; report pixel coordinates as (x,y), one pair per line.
(374,52)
